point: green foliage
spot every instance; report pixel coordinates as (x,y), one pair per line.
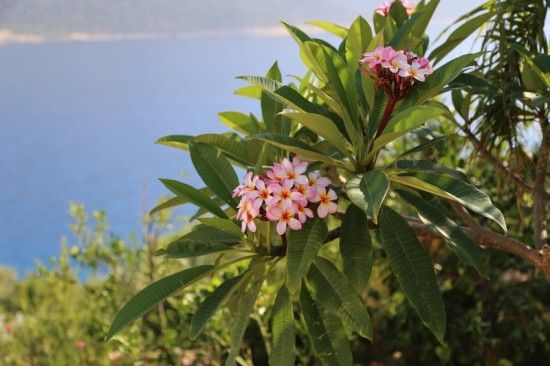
(346,125)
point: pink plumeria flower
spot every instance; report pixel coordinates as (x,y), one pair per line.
(276,174)
(261,194)
(415,70)
(283,195)
(248,205)
(396,63)
(247,221)
(326,206)
(285,216)
(249,184)
(316,182)
(383,9)
(409,7)
(293,171)
(425,64)
(374,58)
(303,212)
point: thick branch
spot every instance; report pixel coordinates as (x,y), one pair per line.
(539,211)
(540,258)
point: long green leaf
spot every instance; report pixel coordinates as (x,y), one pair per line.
(283,350)
(177,141)
(182,248)
(322,126)
(459,35)
(244,306)
(205,233)
(375,185)
(215,171)
(466,249)
(302,248)
(226,225)
(211,304)
(240,122)
(466,194)
(237,150)
(414,270)
(356,247)
(332,28)
(426,165)
(357,42)
(325,332)
(297,147)
(412,118)
(337,295)
(153,294)
(194,196)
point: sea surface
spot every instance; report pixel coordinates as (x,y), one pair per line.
(78,122)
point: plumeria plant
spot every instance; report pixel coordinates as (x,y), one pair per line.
(320,171)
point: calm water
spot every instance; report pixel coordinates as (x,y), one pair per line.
(78,122)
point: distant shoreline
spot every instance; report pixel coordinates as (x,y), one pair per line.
(8,37)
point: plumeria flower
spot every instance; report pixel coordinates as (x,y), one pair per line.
(409,7)
(284,216)
(326,206)
(293,171)
(396,63)
(261,194)
(383,9)
(249,184)
(283,195)
(248,221)
(276,174)
(316,182)
(415,70)
(303,212)
(373,58)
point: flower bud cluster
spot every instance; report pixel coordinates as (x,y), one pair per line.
(394,71)
(384,9)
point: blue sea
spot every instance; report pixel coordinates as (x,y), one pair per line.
(78,121)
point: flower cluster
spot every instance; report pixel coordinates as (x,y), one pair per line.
(384,9)
(284,193)
(395,71)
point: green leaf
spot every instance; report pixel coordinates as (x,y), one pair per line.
(283,350)
(337,295)
(322,126)
(226,225)
(412,118)
(466,249)
(235,149)
(375,185)
(332,28)
(355,194)
(437,141)
(466,194)
(325,332)
(182,248)
(357,42)
(302,248)
(171,202)
(356,247)
(240,122)
(435,82)
(425,165)
(153,294)
(459,35)
(212,304)
(297,147)
(215,171)
(425,15)
(193,195)
(177,141)
(245,305)
(414,270)
(296,33)
(208,234)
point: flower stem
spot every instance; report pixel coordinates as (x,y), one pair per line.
(386,116)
